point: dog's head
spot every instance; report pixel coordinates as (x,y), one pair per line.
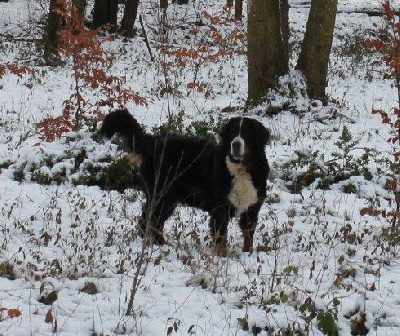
(243,137)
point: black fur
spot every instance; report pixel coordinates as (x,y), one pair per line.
(194,172)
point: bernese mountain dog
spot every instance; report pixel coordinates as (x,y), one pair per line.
(226,179)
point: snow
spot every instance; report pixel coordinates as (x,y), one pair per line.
(315,252)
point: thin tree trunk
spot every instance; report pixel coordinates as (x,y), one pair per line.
(164,4)
(130,14)
(50,37)
(80,5)
(284,5)
(239,10)
(105,13)
(266,50)
(314,56)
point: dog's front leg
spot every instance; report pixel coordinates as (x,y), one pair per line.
(248,222)
(218,228)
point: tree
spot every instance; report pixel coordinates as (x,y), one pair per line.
(80,5)
(268,46)
(267,53)
(105,13)
(163,4)
(128,20)
(239,10)
(56,20)
(50,37)
(314,56)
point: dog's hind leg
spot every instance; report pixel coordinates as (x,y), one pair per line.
(151,224)
(218,227)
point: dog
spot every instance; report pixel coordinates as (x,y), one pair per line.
(226,179)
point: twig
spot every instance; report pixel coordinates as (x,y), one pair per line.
(146,40)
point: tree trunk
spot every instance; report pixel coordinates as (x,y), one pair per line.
(50,37)
(105,13)
(239,10)
(314,56)
(284,5)
(130,13)
(267,54)
(163,4)
(80,5)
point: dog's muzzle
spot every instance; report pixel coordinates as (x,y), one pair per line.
(237,148)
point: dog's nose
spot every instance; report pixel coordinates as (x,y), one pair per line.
(237,148)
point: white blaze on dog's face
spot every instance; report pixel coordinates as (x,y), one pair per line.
(238,145)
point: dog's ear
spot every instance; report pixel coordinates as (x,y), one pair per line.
(263,133)
(224,130)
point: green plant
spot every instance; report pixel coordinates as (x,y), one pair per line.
(343,165)
(175,125)
(326,319)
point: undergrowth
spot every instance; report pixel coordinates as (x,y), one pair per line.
(314,267)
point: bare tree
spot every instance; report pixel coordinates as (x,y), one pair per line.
(163,4)
(80,5)
(50,36)
(129,18)
(267,46)
(314,56)
(239,10)
(105,13)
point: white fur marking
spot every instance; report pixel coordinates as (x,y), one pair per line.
(243,194)
(241,141)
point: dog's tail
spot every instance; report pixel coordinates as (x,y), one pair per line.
(122,122)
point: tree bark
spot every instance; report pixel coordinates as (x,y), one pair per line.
(239,10)
(314,56)
(163,4)
(105,13)
(50,37)
(80,5)
(284,6)
(129,18)
(267,54)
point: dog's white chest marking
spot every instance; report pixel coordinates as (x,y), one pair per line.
(243,194)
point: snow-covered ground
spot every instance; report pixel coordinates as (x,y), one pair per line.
(70,258)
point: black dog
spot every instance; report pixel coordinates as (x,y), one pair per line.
(228,179)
